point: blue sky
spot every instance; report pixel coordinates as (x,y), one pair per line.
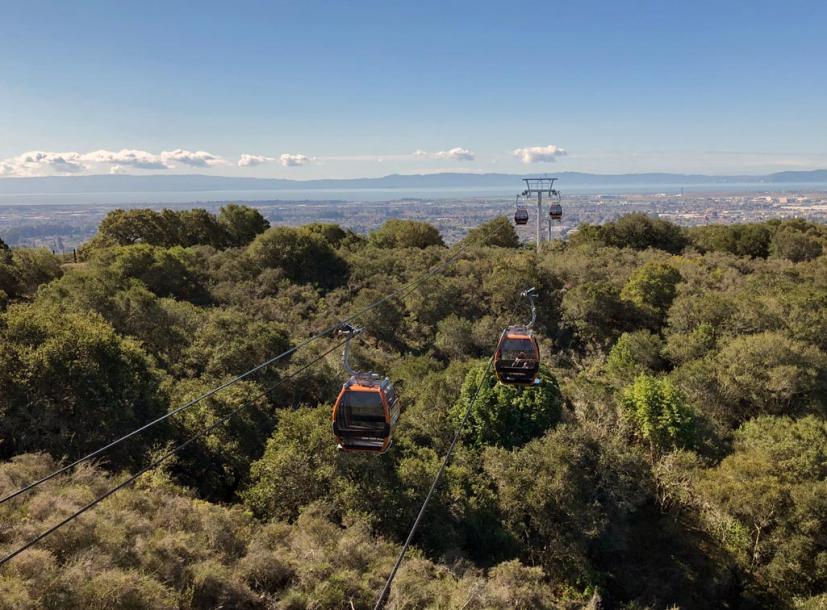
(338,89)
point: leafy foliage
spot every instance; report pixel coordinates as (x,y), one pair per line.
(498,233)
(71,384)
(235,225)
(241,223)
(637,231)
(659,412)
(672,455)
(299,255)
(506,416)
(405,234)
(651,288)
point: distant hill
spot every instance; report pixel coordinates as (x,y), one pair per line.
(197,182)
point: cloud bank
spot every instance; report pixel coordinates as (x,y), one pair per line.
(44,163)
(139,159)
(38,162)
(539,154)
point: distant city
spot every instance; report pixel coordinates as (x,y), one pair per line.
(61,227)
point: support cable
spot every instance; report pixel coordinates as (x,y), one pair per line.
(400,293)
(386,589)
(158,461)
(380,602)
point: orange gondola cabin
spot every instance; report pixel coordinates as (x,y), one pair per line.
(367,408)
(517,359)
(365,414)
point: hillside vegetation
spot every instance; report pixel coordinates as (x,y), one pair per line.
(675,454)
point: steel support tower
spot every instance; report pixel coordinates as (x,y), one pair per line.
(539,187)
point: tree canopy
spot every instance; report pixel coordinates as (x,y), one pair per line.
(672,454)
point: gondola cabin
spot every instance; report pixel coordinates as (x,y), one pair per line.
(517,359)
(555,211)
(520,212)
(365,414)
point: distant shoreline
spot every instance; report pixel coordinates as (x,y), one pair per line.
(355,195)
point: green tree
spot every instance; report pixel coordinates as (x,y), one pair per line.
(71,385)
(300,466)
(168,272)
(595,311)
(297,468)
(198,227)
(751,240)
(634,353)
(497,233)
(454,337)
(382,321)
(229,343)
(794,245)
(166,228)
(35,266)
(506,415)
(683,347)
(771,374)
(9,275)
(300,255)
(217,463)
(397,233)
(767,503)
(637,230)
(640,231)
(242,223)
(330,232)
(652,288)
(659,413)
(558,495)
(126,227)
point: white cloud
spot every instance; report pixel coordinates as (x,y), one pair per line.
(539,154)
(200,158)
(139,159)
(43,163)
(293,160)
(455,154)
(253,160)
(39,163)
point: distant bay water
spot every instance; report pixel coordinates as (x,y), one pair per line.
(131,198)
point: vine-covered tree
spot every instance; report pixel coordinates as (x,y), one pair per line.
(659,412)
(506,415)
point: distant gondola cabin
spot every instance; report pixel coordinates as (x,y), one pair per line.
(365,414)
(521,216)
(555,211)
(517,359)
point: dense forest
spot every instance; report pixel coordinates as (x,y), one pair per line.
(674,455)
